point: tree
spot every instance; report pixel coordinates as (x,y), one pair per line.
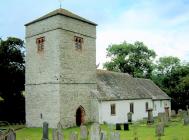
(172,77)
(135,59)
(166,64)
(12,73)
(163,71)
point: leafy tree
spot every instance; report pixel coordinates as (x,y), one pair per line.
(135,59)
(12,73)
(171,75)
(166,64)
(164,69)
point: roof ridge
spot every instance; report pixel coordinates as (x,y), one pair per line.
(107,71)
(63,12)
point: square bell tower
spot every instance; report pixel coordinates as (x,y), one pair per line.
(60,69)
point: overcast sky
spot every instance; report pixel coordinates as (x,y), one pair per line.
(163,25)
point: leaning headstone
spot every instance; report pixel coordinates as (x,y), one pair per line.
(173,113)
(45,131)
(11,135)
(83,132)
(129,117)
(186,120)
(74,136)
(59,132)
(114,136)
(95,132)
(103,135)
(150,119)
(160,129)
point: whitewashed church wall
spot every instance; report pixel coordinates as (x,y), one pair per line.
(159,106)
(122,108)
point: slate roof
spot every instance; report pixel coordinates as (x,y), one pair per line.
(155,92)
(122,86)
(62,12)
(118,86)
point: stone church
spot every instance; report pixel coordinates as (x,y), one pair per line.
(62,83)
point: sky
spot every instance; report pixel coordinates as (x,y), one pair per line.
(162,25)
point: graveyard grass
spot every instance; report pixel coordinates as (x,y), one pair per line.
(175,131)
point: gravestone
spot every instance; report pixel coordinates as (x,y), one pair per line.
(2,136)
(11,135)
(126,126)
(135,132)
(160,129)
(103,135)
(45,131)
(95,132)
(83,132)
(74,136)
(187,109)
(173,113)
(150,119)
(111,127)
(129,117)
(179,112)
(163,118)
(186,120)
(118,126)
(114,136)
(54,134)
(167,111)
(59,131)
(184,114)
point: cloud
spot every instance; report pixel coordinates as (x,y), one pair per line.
(152,23)
(161,24)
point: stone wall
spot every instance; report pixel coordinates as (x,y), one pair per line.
(43,67)
(72,97)
(42,105)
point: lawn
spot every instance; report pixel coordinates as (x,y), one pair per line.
(175,131)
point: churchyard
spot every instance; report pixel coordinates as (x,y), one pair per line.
(174,128)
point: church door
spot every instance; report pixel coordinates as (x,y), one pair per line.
(80,114)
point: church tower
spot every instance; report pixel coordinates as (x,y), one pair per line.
(60,69)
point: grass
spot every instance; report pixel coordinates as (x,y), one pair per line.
(175,131)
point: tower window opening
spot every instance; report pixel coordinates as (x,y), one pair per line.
(78,42)
(40,44)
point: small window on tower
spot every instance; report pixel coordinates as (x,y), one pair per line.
(40,43)
(78,42)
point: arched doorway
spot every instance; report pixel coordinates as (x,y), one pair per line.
(80,116)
